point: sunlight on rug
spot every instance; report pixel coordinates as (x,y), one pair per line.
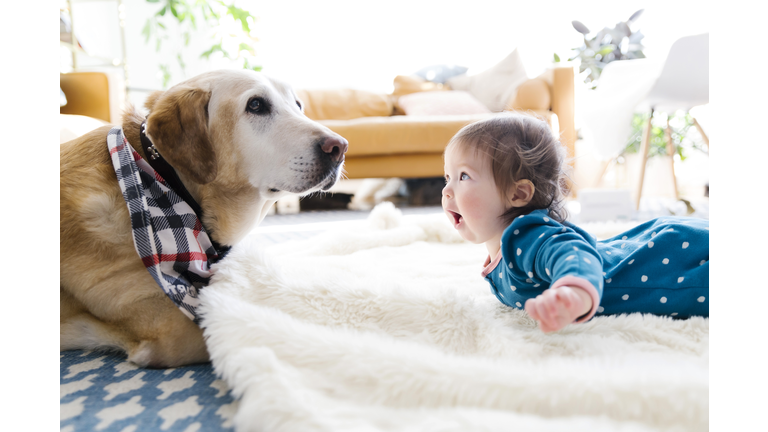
(388,326)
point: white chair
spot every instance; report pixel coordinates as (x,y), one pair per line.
(626,86)
(682,84)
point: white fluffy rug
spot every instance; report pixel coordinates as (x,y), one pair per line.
(389,327)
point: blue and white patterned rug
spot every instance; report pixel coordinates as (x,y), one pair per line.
(104,392)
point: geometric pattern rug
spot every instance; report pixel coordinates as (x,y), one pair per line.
(104,392)
(101,391)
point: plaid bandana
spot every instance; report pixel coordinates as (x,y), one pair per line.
(167,233)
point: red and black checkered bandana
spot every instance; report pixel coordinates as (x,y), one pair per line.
(167,233)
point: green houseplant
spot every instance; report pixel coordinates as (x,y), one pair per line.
(622,43)
(680,123)
(608,45)
(232,42)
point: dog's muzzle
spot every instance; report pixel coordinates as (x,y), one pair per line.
(322,170)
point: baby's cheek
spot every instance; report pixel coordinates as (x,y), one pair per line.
(473,206)
(479,213)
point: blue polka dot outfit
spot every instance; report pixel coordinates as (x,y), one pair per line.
(659,267)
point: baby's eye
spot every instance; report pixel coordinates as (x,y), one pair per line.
(464,176)
(447,179)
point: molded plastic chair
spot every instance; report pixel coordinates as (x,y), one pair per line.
(682,84)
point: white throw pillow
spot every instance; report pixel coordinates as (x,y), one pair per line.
(495,87)
(441,103)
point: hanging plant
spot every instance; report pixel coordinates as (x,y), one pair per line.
(608,45)
(233,42)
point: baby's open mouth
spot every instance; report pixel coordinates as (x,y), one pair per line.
(456,217)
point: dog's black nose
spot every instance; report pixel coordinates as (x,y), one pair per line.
(335,146)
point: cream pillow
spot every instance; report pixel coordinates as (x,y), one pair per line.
(533,94)
(496,86)
(441,103)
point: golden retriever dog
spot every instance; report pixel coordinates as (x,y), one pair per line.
(238,141)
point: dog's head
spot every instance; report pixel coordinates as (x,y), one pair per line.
(237,128)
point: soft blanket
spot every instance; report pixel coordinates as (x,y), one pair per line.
(389,327)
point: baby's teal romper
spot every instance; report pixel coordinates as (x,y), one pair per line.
(659,267)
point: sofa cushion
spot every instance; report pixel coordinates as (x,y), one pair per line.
(496,86)
(533,94)
(72,126)
(407,84)
(375,136)
(441,103)
(440,73)
(344,104)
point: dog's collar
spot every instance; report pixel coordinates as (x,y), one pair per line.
(166,171)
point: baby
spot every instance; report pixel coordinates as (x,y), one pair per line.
(505,187)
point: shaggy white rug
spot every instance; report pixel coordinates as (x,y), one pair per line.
(389,327)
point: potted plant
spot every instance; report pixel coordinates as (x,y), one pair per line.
(235,43)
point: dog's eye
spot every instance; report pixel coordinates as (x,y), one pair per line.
(298,104)
(257,106)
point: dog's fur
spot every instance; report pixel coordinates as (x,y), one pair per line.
(236,163)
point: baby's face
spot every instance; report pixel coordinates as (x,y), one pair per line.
(471,199)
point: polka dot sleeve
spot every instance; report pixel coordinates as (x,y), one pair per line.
(569,255)
(547,252)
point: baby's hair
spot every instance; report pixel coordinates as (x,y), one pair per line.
(521,146)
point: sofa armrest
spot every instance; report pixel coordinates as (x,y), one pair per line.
(87,94)
(564,104)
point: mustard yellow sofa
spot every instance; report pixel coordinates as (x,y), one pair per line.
(385,143)
(382,141)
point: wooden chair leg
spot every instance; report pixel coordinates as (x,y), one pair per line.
(671,154)
(701,131)
(644,147)
(706,140)
(604,170)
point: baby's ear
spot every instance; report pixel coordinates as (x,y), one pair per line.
(521,193)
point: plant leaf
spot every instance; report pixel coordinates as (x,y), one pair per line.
(581,28)
(557,58)
(249,49)
(166,75)
(180,60)
(146,31)
(241,15)
(606,49)
(211,50)
(636,37)
(623,29)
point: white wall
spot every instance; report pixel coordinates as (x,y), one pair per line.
(365,44)
(337,43)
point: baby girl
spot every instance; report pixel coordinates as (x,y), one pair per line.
(505,187)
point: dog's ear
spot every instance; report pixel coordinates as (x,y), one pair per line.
(178,127)
(152,98)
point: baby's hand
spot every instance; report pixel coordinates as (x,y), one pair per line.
(556,308)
